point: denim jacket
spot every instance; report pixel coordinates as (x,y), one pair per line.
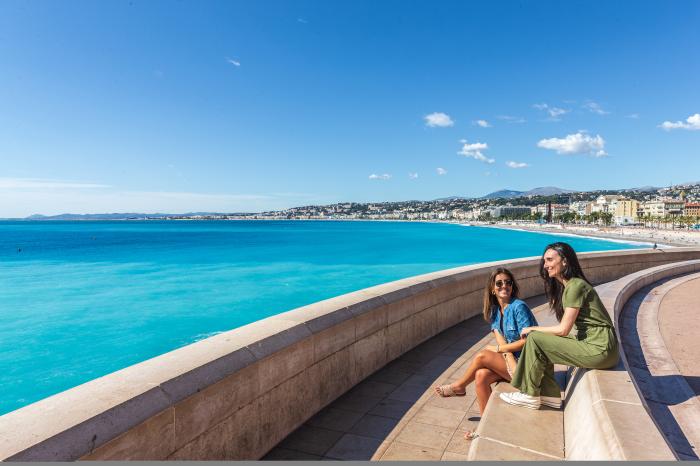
(516,316)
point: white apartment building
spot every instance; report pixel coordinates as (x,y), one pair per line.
(579,207)
(663,208)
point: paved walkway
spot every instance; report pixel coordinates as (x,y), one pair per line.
(660,329)
(394,414)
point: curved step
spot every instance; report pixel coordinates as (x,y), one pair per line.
(672,403)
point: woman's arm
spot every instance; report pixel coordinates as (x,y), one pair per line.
(562,329)
(503,346)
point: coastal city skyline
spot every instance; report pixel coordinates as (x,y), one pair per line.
(251,107)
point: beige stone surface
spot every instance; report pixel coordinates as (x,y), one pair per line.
(205,409)
(333,339)
(489,450)
(399,451)
(370,353)
(137,443)
(544,435)
(441,417)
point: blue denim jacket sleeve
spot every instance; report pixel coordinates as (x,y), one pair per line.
(524,317)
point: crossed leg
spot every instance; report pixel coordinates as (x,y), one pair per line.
(484,359)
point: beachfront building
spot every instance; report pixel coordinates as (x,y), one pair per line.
(626,211)
(692,209)
(663,208)
(510,211)
(580,208)
(605,203)
(557,209)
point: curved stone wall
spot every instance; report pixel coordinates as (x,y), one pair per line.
(606,416)
(235,395)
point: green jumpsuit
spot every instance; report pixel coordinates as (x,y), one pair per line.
(594,347)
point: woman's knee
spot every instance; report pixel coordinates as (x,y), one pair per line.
(482,377)
(480,357)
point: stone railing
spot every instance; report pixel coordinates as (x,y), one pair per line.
(237,394)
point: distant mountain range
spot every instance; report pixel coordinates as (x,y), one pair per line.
(509,193)
(113,216)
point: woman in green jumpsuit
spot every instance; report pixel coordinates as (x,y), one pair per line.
(574,301)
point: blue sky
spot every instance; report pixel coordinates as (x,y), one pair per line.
(181,106)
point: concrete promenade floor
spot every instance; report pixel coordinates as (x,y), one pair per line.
(395,414)
(660,329)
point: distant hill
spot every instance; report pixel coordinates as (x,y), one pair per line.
(112,216)
(452,198)
(509,193)
(503,193)
(547,191)
(643,189)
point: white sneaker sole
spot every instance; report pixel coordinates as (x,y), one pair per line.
(551,404)
(510,401)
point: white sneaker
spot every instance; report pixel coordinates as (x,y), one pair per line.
(521,399)
(551,401)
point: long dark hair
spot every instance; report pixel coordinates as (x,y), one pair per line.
(553,287)
(490,299)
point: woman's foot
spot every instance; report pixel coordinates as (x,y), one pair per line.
(471,435)
(449,390)
(522,399)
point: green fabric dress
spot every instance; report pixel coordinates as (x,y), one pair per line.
(594,346)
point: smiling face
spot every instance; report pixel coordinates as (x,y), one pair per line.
(503,286)
(553,263)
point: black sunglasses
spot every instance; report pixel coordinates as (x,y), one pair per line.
(501,283)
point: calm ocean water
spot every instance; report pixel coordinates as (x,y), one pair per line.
(79,300)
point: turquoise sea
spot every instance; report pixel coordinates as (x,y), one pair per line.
(79,300)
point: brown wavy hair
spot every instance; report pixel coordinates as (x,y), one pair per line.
(552,287)
(490,299)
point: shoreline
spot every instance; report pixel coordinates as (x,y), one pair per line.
(650,236)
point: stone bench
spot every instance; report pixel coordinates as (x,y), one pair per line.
(604,415)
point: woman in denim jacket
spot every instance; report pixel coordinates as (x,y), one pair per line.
(508,316)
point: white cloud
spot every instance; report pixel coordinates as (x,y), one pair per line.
(634,116)
(482,123)
(412,176)
(595,108)
(511,119)
(374,176)
(441,171)
(691,123)
(474,151)
(233,62)
(512,164)
(302,21)
(36,183)
(578,143)
(554,112)
(438,119)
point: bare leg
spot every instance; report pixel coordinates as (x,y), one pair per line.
(484,359)
(484,379)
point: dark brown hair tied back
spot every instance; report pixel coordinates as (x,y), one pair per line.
(490,299)
(553,287)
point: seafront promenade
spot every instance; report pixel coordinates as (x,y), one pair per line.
(351,376)
(395,414)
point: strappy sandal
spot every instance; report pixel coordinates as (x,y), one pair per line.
(471,435)
(447,391)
